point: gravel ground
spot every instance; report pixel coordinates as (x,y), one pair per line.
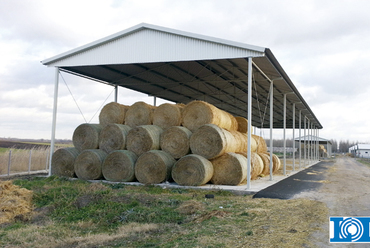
(346,192)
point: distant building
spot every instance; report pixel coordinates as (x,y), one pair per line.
(360,150)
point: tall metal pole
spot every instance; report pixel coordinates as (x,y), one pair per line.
(115,93)
(155,101)
(293,136)
(300,138)
(284,123)
(304,142)
(271,124)
(52,143)
(249,153)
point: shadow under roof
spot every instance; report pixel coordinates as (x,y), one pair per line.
(180,67)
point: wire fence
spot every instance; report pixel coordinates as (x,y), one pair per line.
(21,161)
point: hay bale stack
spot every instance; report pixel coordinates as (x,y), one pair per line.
(242,124)
(143,139)
(119,166)
(86,136)
(88,165)
(62,162)
(266,163)
(113,137)
(276,164)
(176,141)
(192,170)
(112,113)
(154,167)
(140,113)
(167,115)
(198,113)
(261,144)
(229,169)
(242,142)
(256,164)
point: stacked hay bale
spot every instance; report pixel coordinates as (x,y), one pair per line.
(190,144)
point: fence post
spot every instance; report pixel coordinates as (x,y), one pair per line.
(9,161)
(29,162)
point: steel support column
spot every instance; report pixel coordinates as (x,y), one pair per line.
(115,93)
(293,136)
(300,139)
(249,154)
(53,127)
(284,135)
(271,124)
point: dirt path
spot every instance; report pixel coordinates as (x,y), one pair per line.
(346,192)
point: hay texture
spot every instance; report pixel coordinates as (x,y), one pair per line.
(143,139)
(14,202)
(192,170)
(62,162)
(198,113)
(276,163)
(113,137)
(176,141)
(154,167)
(119,166)
(113,113)
(261,144)
(266,163)
(256,164)
(167,115)
(229,169)
(140,113)
(86,136)
(242,124)
(88,165)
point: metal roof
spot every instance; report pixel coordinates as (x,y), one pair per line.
(181,66)
(313,138)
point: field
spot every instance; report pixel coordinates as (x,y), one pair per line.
(75,213)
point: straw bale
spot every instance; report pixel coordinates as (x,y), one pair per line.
(167,115)
(229,169)
(261,143)
(242,124)
(113,137)
(176,141)
(112,113)
(119,166)
(143,138)
(266,163)
(192,170)
(242,139)
(198,113)
(88,165)
(86,136)
(154,167)
(256,164)
(14,201)
(62,162)
(140,113)
(275,163)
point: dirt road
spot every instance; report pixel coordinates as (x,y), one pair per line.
(346,192)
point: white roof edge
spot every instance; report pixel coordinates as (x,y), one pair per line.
(154,27)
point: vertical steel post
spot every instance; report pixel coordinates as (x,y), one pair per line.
(293,136)
(300,138)
(284,123)
(271,124)
(52,144)
(155,101)
(304,142)
(115,93)
(249,154)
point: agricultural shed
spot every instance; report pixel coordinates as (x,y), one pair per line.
(360,150)
(180,66)
(316,140)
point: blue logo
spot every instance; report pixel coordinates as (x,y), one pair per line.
(349,229)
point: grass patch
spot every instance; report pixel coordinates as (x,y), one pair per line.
(75,213)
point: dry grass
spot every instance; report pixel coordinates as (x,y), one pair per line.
(20,160)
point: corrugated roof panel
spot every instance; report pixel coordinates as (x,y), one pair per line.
(147,45)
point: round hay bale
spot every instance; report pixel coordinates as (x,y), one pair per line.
(154,167)
(261,143)
(143,138)
(140,113)
(256,164)
(229,169)
(242,124)
(176,141)
(62,162)
(275,163)
(119,166)
(167,115)
(198,113)
(112,113)
(192,170)
(211,141)
(113,137)
(242,140)
(266,163)
(86,136)
(88,165)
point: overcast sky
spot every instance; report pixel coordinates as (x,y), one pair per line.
(322,45)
